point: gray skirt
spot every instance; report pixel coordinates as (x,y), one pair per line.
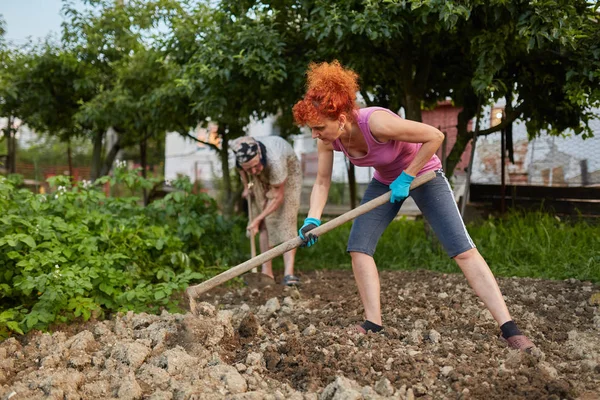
(436,202)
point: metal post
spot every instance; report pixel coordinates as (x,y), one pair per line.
(463,206)
(444,155)
(585,176)
(502,171)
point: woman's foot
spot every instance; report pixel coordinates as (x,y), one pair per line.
(519,342)
(368,326)
(515,338)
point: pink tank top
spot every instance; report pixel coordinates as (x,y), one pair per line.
(389,159)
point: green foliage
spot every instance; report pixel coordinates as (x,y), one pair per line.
(522,244)
(338,193)
(540,245)
(208,237)
(229,70)
(236,186)
(76,254)
(52,85)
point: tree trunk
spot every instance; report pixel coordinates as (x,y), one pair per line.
(224,154)
(110,157)
(143,162)
(97,155)
(70,160)
(509,129)
(471,159)
(11,147)
(462,140)
(463,136)
(415,84)
(10,152)
(412,107)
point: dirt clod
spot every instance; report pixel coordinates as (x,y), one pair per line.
(249,326)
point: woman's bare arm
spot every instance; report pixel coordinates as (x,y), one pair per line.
(320,191)
(385,126)
(244,182)
(276,196)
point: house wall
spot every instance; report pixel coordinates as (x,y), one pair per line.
(445,117)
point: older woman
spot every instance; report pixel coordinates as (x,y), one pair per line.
(272,166)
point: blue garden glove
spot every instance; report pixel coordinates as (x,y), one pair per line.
(304,232)
(400,187)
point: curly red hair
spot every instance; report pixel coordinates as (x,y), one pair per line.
(330,91)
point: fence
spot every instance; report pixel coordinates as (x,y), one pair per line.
(41,173)
(544,161)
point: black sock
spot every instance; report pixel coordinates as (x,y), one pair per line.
(509,329)
(370,326)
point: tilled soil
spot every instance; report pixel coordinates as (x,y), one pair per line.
(283,343)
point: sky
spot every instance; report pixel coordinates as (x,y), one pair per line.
(30,18)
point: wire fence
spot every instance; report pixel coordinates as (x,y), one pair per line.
(567,160)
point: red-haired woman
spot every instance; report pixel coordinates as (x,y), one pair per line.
(399,150)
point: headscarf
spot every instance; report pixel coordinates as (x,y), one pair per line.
(246,148)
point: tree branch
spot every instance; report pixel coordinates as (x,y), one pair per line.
(187,135)
(366,97)
(422,75)
(148,135)
(510,118)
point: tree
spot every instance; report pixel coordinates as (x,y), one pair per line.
(542,57)
(140,105)
(52,84)
(101,37)
(230,63)
(11,62)
(391,46)
(395,46)
(411,54)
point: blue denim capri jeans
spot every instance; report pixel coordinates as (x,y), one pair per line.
(436,202)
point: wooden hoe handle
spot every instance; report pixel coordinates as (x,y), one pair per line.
(194,291)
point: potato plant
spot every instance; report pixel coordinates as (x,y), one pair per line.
(75,253)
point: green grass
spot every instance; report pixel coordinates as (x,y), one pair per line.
(520,244)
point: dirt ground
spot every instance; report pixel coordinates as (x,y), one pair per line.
(284,343)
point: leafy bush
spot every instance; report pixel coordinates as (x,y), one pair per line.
(76,253)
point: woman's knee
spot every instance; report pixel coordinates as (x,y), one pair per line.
(358,256)
(466,255)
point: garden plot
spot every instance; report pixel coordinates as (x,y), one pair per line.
(283,343)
